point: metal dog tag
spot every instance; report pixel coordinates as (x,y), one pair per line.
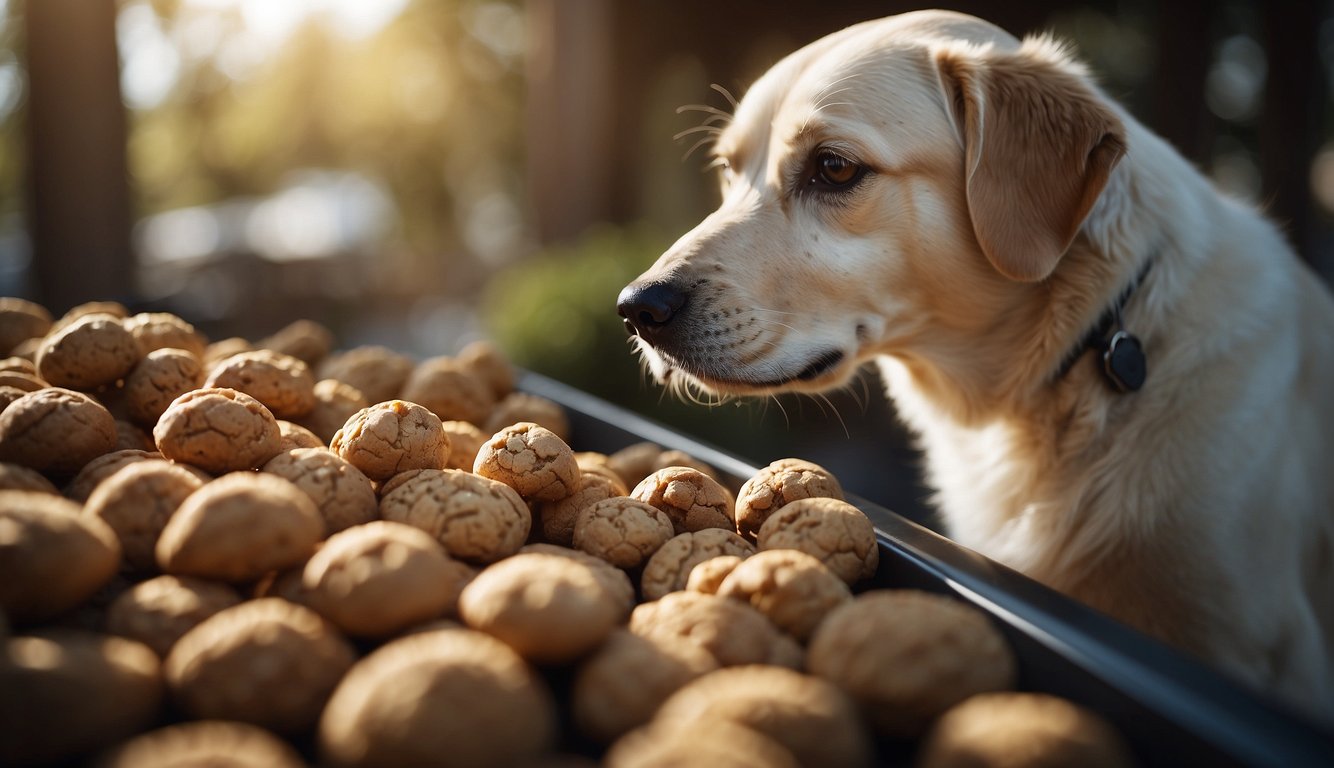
(1123,362)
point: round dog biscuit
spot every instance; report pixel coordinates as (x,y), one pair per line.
(218,430)
(89,352)
(773,486)
(157,380)
(392,437)
(342,493)
(159,611)
(281,382)
(530,459)
(668,570)
(476,519)
(692,500)
(55,431)
(622,531)
(834,531)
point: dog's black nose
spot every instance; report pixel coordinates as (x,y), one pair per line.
(647,307)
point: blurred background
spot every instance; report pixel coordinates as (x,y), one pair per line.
(421,173)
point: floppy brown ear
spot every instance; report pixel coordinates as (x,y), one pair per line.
(1039,147)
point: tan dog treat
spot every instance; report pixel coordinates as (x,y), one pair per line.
(518,407)
(692,500)
(635,462)
(102,467)
(613,579)
(28,349)
(68,693)
(52,558)
(551,610)
(9,395)
(162,330)
(530,459)
(282,383)
(907,656)
(834,531)
(136,503)
(1003,729)
(14,477)
(622,531)
(158,612)
(717,744)
(17,364)
(55,431)
(782,481)
(218,430)
(157,380)
(794,590)
(292,436)
(451,392)
(465,440)
(306,340)
(624,682)
(485,361)
(79,311)
(476,519)
(709,575)
(450,692)
(90,352)
(378,372)
(669,568)
(267,662)
(813,719)
(214,743)
(392,437)
(27,382)
(559,517)
(239,527)
(335,403)
(732,631)
(676,458)
(342,493)
(221,350)
(21,320)
(380,578)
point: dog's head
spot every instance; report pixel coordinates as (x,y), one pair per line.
(893,188)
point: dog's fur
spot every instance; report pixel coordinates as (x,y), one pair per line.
(1006,204)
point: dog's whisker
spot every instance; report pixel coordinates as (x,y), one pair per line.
(714,111)
(726,94)
(697,145)
(711,129)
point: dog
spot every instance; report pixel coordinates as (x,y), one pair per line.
(1122,380)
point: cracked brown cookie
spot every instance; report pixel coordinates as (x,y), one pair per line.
(834,531)
(709,575)
(158,379)
(392,437)
(104,466)
(379,372)
(136,503)
(218,430)
(735,633)
(518,407)
(21,320)
(478,520)
(91,351)
(692,500)
(162,330)
(559,517)
(335,403)
(55,431)
(281,382)
(532,460)
(159,611)
(451,391)
(306,340)
(773,486)
(668,570)
(343,494)
(465,439)
(622,531)
(794,590)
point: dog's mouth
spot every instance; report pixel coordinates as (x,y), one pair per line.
(753,379)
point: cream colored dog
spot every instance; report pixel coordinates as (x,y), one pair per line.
(973,214)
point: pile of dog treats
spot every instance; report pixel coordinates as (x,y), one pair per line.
(275,554)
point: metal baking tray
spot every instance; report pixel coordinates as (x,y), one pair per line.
(1171,709)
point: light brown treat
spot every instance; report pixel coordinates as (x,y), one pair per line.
(204,744)
(378,372)
(51,557)
(136,503)
(377,579)
(449,390)
(392,437)
(90,352)
(27,349)
(221,350)
(485,361)
(17,364)
(718,744)
(113,308)
(676,458)
(14,477)
(519,407)
(834,531)
(131,438)
(709,575)
(158,612)
(239,527)
(1007,730)
(692,500)
(102,467)
(55,431)
(27,382)
(9,395)
(282,383)
(218,430)
(158,379)
(551,610)
(21,320)
(465,440)
(530,459)
(623,683)
(635,462)
(813,719)
(306,340)
(794,590)
(613,579)
(344,496)
(669,568)
(292,435)
(476,519)
(67,693)
(267,662)
(452,692)
(782,481)
(335,403)
(907,656)
(622,531)
(559,517)
(162,330)
(731,630)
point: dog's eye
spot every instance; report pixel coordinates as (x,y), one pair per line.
(835,170)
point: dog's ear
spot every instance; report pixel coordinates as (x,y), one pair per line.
(1039,146)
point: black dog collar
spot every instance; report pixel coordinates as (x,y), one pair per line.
(1122,360)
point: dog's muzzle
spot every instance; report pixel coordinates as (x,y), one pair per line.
(648,310)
